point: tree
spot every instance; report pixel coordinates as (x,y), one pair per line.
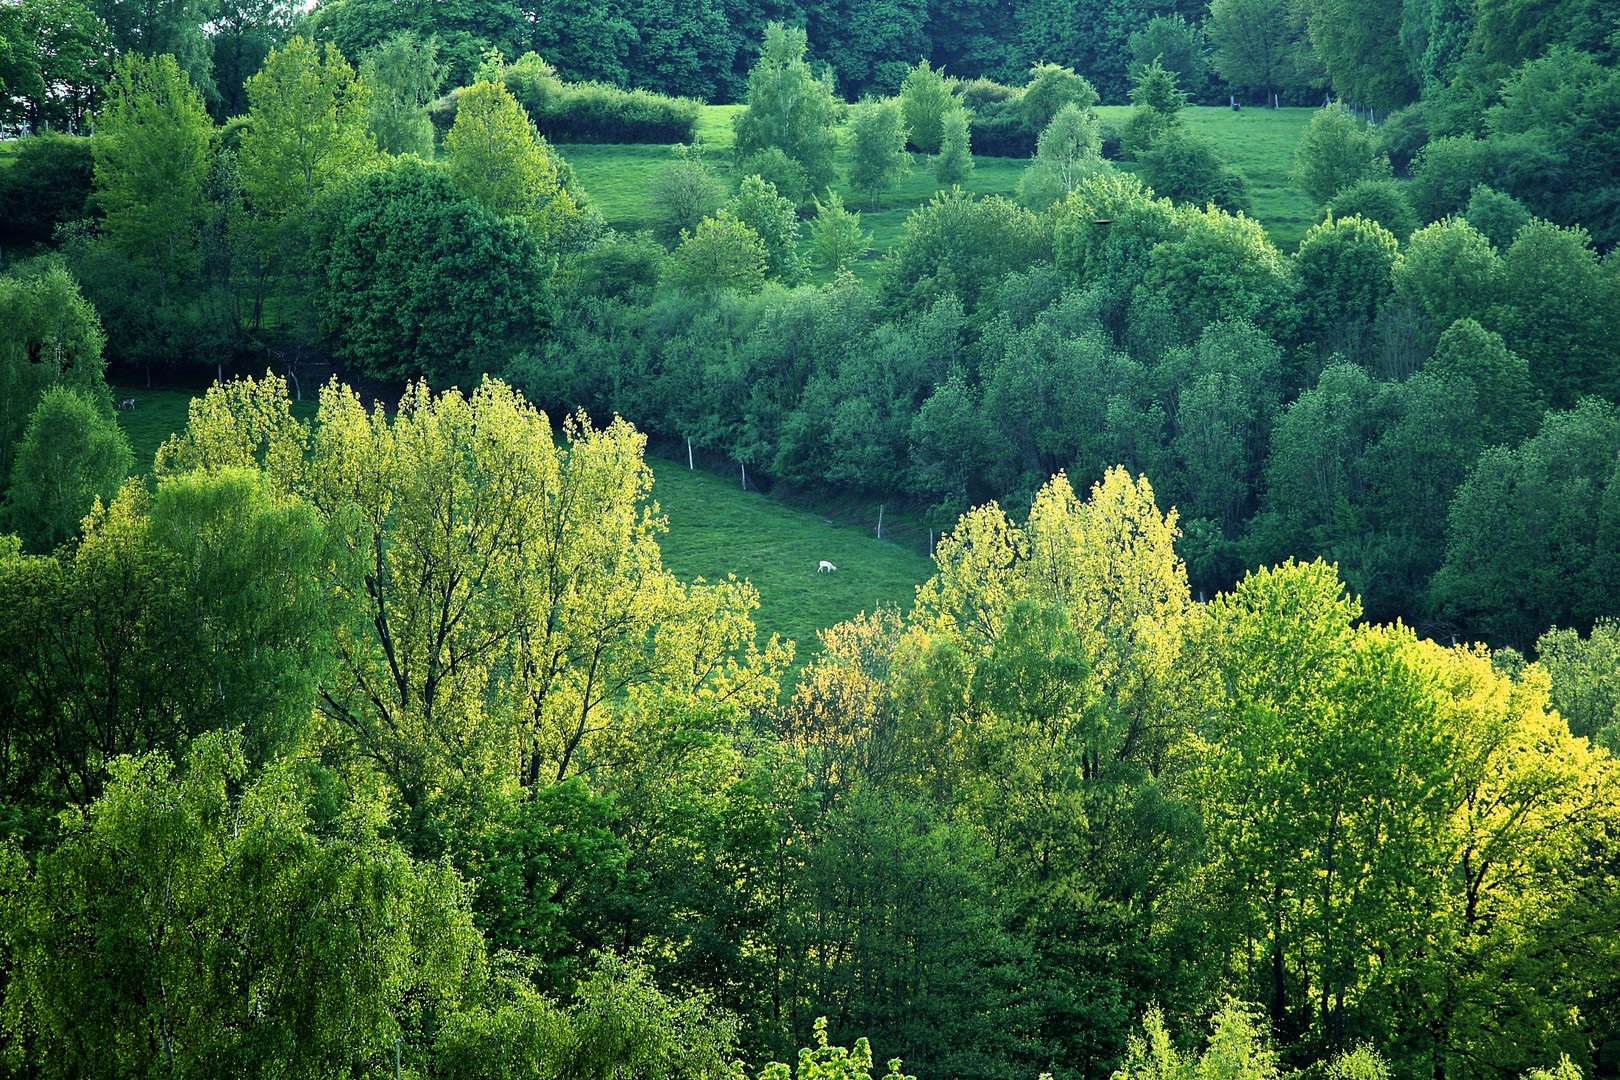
(242,33)
(1498,216)
(789,109)
(422,282)
(62,55)
(1380,200)
(758,206)
(152,28)
(306,131)
(1509,406)
(193,921)
(684,192)
(1258,45)
(153,137)
(878,157)
(50,335)
(1353,39)
(404,75)
(954,163)
(1450,272)
(1344,270)
(495,156)
(1176,44)
(926,101)
(1158,103)
(1069,149)
(71,454)
(1221,266)
(1559,311)
(724,253)
(1335,152)
(836,234)
(957,244)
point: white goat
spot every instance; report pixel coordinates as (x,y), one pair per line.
(825,566)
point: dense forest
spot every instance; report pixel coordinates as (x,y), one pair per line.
(1257,717)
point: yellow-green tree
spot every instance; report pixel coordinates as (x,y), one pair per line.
(496,156)
(306,131)
(152,144)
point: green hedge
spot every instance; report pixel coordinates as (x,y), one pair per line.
(589,112)
(47,182)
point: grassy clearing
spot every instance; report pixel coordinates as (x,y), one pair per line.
(1260,142)
(715,529)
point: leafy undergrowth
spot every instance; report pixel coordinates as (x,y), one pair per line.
(715,529)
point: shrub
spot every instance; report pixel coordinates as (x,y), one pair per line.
(961,245)
(995,119)
(1446,174)
(955,161)
(1158,103)
(1383,201)
(1050,88)
(722,254)
(1185,167)
(71,454)
(1336,151)
(780,171)
(758,206)
(684,192)
(1066,152)
(926,101)
(1401,136)
(836,234)
(1496,214)
(623,266)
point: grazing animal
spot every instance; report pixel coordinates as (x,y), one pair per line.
(825,566)
(126,403)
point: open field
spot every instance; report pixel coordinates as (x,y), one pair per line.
(1260,142)
(715,529)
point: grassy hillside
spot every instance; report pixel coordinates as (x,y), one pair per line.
(715,529)
(1260,142)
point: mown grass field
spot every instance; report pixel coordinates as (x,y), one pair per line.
(715,529)
(1260,142)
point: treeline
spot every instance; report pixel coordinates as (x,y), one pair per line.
(388,738)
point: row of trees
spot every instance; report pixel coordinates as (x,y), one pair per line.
(377,734)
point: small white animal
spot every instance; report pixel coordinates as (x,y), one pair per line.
(825,565)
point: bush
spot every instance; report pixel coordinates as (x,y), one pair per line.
(996,120)
(758,206)
(1401,136)
(684,192)
(1383,201)
(1447,172)
(71,454)
(1050,88)
(780,171)
(836,234)
(1336,152)
(955,161)
(585,112)
(722,253)
(963,246)
(48,182)
(1187,168)
(925,101)
(619,266)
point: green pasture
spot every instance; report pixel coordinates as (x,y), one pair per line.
(1260,142)
(715,529)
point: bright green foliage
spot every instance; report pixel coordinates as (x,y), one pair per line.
(1087,250)
(193,923)
(684,192)
(1185,167)
(404,74)
(1221,266)
(71,454)
(926,101)
(1532,532)
(758,206)
(152,145)
(1382,201)
(1343,268)
(1585,675)
(494,155)
(836,234)
(877,149)
(1158,103)
(825,1062)
(1497,215)
(954,163)
(55,59)
(724,253)
(425,283)
(49,336)
(1450,272)
(1068,150)
(789,108)
(1360,1063)
(958,244)
(1258,44)
(1050,89)
(1336,152)
(306,131)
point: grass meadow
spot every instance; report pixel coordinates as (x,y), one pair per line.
(1260,142)
(715,529)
